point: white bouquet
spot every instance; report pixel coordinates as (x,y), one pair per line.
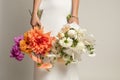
(71,42)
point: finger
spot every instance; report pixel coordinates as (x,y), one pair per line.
(39,24)
(33,25)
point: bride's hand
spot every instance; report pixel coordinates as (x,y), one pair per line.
(73,19)
(35,21)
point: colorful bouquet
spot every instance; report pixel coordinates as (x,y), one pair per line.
(36,44)
(67,46)
(71,42)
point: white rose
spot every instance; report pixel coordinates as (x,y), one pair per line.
(66,42)
(72,33)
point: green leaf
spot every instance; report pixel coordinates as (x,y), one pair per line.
(39,64)
(68,17)
(39,13)
(66,35)
(68,62)
(75,42)
(90,48)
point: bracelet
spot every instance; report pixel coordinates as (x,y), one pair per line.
(74,17)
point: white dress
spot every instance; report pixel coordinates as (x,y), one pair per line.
(53,19)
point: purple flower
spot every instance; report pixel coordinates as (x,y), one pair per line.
(17,39)
(15,51)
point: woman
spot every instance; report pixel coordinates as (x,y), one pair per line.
(53,19)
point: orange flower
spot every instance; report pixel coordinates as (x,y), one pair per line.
(26,37)
(45,66)
(39,42)
(24,47)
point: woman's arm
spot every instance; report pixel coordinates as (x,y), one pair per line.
(35,19)
(75,7)
(36,4)
(74,13)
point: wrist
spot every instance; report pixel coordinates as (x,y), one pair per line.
(34,14)
(74,14)
(76,17)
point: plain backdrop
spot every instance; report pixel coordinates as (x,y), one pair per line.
(100,17)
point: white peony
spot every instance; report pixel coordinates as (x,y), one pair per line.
(81,46)
(72,33)
(66,42)
(89,39)
(69,51)
(82,32)
(75,53)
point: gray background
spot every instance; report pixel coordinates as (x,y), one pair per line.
(100,17)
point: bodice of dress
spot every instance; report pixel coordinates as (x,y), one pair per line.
(54,14)
(61,7)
